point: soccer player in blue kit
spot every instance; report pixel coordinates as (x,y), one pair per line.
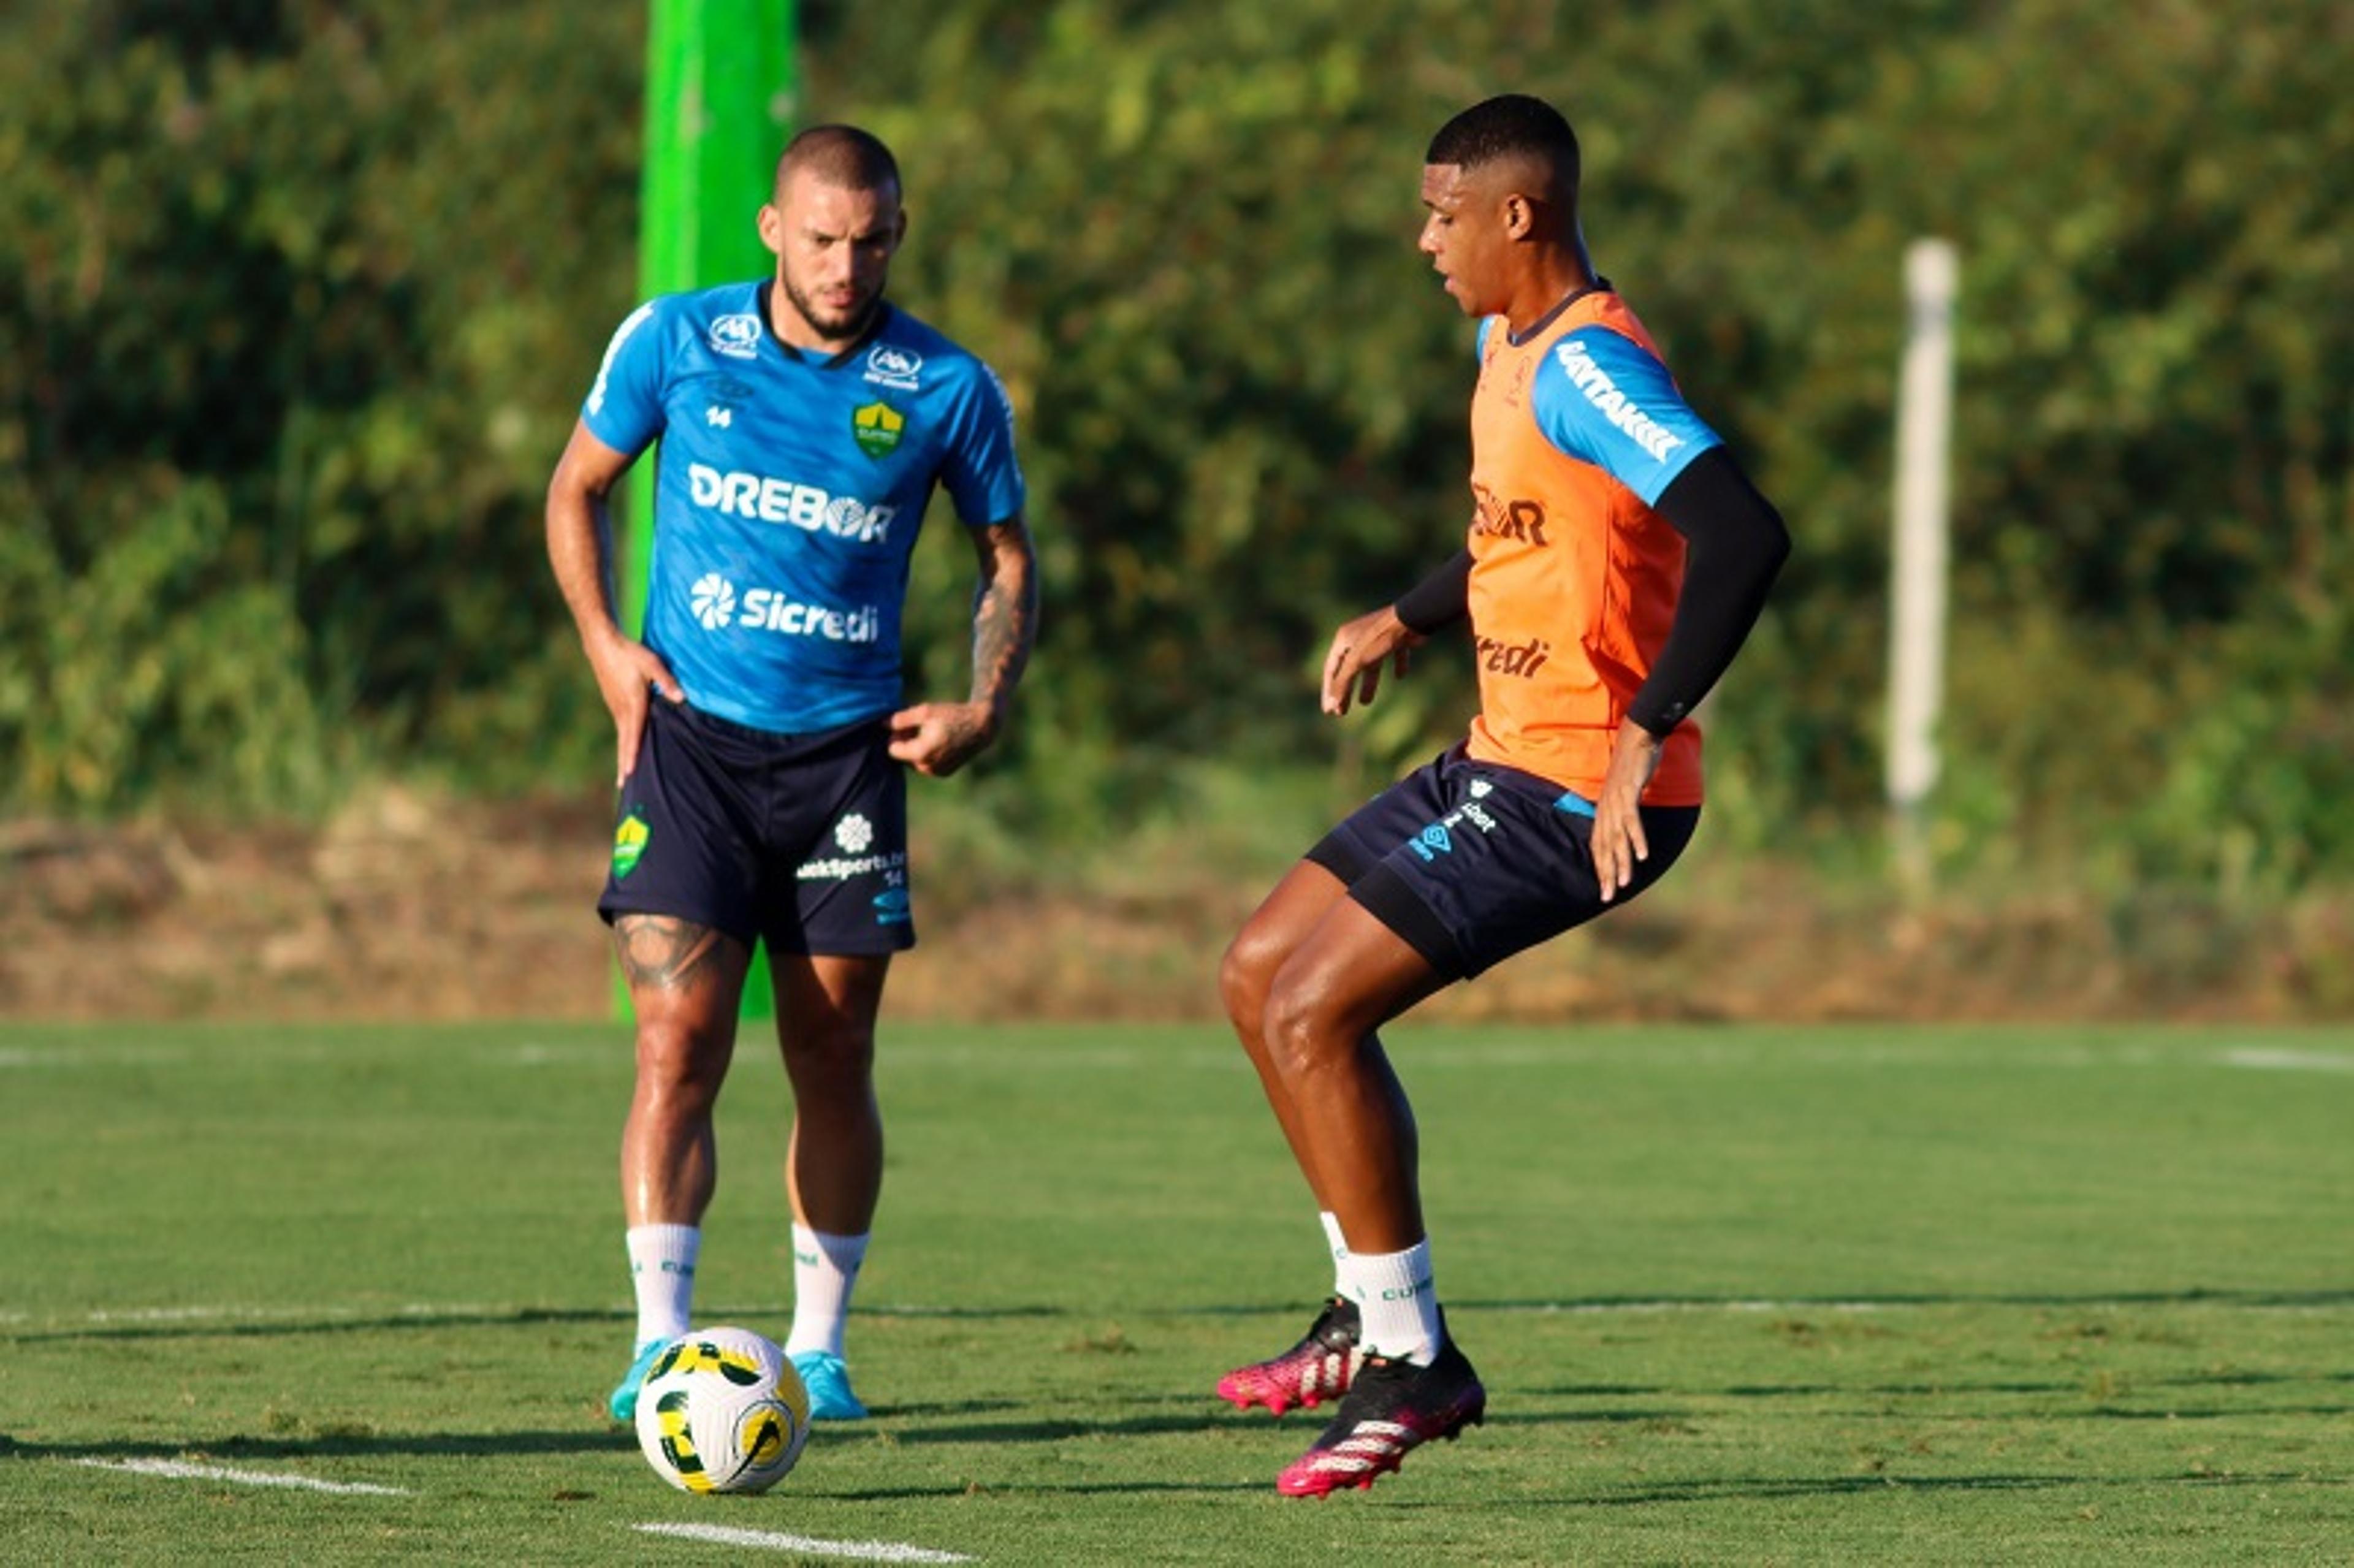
(762,735)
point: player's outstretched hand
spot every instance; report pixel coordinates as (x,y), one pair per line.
(1618,840)
(938,739)
(1353,666)
(628,673)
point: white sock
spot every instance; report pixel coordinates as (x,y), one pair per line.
(824,1269)
(1397,1308)
(1340,1248)
(662,1269)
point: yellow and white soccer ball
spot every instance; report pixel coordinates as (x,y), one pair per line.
(721,1410)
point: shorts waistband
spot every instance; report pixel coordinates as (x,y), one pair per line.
(727,731)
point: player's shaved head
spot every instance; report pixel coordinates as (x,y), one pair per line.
(1513,137)
(839,155)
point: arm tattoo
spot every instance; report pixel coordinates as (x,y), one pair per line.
(1005,612)
(662,952)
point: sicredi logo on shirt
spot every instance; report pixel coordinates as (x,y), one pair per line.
(805,506)
(713,601)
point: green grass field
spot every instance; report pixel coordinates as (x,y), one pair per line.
(1849,1296)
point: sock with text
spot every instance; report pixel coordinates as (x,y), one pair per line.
(825,1267)
(661,1271)
(1397,1306)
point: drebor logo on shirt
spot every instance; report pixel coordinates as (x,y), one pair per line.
(768,499)
(1612,404)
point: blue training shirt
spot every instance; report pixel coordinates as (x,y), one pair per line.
(788,493)
(1604,400)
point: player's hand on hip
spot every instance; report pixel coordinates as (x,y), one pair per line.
(938,739)
(1353,666)
(628,674)
(1618,840)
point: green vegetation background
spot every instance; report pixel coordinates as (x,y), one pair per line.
(298,298)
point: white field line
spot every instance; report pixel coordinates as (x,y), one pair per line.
(176,1470)
(769,1541)
(2288,1061)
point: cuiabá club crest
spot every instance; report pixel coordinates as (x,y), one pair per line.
(878,428)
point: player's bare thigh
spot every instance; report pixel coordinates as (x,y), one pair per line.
(1347,976)
(826,1007)
(1272,934)
(685,980)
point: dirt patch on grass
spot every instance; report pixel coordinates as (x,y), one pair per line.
(409,908)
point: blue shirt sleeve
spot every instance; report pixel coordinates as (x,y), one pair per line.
(979,469)
(624,409)
(1604,400)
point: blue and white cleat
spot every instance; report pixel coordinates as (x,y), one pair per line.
(828,1382)
(622,1402)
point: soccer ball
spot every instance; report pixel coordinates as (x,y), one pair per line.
(721,1410)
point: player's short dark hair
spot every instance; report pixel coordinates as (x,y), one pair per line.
(840,156)
(1514,125)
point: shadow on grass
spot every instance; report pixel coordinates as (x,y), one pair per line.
(1934,1388)
(1029,1489)
(2087,1300)
(337,1446)
(1751,1489)
(1058,1431)
(224,1327)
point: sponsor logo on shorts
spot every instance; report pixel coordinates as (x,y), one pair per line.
(737,337)
(891,906)
(1439,839)
(878,428)
(630,840)
(842,868)
(854,833)
(764,499)
(888,365)
(1612,404)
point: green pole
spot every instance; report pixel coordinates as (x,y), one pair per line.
(720,101)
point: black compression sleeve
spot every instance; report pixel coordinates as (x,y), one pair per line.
(1735,542)
(1440,599)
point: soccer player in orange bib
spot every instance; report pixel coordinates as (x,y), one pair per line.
(1617,556)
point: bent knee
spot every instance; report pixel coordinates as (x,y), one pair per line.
(1298,1021)
(1244,974)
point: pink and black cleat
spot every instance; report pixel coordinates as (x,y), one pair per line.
(1319,1368)
(1393,1407)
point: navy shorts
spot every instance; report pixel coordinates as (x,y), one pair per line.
(1472,863)
(798,839)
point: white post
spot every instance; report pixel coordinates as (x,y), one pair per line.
(1916,628)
